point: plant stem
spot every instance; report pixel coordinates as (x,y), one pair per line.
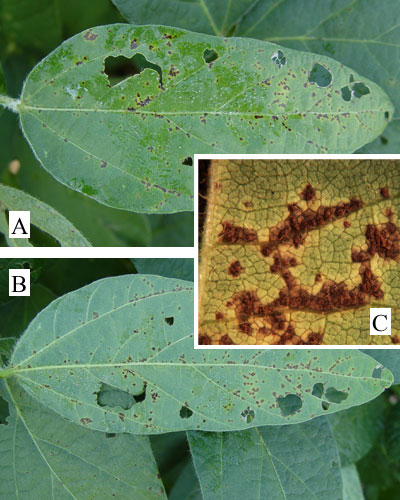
(10,103)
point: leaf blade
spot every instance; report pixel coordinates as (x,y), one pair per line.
(124,343)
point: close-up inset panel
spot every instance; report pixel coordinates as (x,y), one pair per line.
(300,252)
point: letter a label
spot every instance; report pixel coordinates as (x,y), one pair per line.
(19,224)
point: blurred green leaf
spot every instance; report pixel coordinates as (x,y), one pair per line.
(170,268)
(352,489)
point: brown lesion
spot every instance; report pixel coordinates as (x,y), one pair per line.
(236,234)
(235,269)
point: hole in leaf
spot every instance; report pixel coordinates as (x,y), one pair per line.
(289,404)
(320,75)
(279,59)
(185,412)
(110,434)
(318,390)
(169,321)
(335,396)
(112,397)
(377,371)
(386,115)
(248,415)
(346,93)
(383,140)
(210,55)
(351,79)
(120,68)
(325,405)
(359,89)
(188,161)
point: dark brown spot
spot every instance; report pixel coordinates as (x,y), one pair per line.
(308,193)
(346,224)
(225,340)
(86,420)
(219,316)
(235,269)
(89,35)
(204,339)
(383,239)
(318,277)
(236,234)
(384,192)
(245,328)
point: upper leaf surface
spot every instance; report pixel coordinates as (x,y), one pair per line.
(129,145)
(44,456)
(135,333)
(296,252)
(299,462)
(44,217)
(359,34)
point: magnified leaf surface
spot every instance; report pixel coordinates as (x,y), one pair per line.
(129,143)
(135,334)
(296,252)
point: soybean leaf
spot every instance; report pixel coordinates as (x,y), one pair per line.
(29,25)
(361,35)
(170,268)
(172,230)
(187,485)
(135,333)
(297,251)
(356,430)
(352,489)
(389,359)
(42,216)
(43,455)
(194,93)
(243,464)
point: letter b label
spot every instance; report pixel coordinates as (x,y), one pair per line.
(19,282)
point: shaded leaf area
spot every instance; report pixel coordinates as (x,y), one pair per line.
(2,81)
(101,225)
(383,459)
(359,34)
(389,359)
(187,485)
(183,100)
(352,489)
(170,268)
(243,464)
(356,429)
(42,216)
(296,252)
(135,333)
(43,455)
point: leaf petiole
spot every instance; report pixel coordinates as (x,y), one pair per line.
(10,103)
(6,372)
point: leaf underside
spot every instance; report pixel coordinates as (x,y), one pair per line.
(135,334)
(130,145)
(296,252)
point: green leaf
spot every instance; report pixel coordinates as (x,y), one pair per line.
(80,126)
(352,489)
(360,35)
(300,461)
(44,456)
(135,333)
(187,485)
(387,143)
(356,430)
(172,230)
(181,269)
(42,216)
(389,359)
(29,25)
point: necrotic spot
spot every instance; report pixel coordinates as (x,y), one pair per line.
(320,75)
(289,404)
